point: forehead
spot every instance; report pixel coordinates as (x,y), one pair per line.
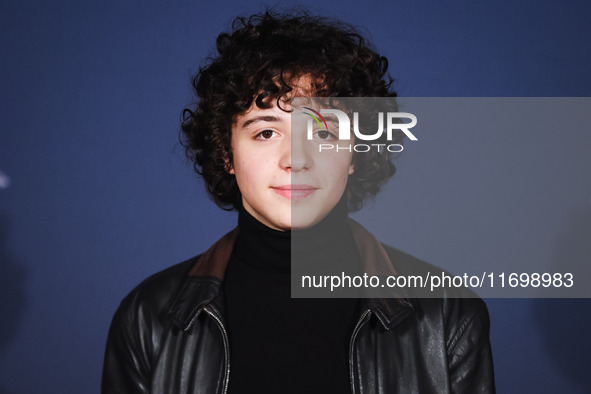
(254,115)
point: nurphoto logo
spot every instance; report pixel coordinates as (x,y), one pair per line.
(318,125)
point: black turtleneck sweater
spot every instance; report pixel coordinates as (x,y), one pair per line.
(279,344)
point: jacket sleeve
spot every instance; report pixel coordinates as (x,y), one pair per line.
(469,354)
(125,368)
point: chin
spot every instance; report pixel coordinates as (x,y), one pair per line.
(303,223)
(283,225)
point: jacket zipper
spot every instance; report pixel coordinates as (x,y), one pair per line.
(226,346)
(362,320)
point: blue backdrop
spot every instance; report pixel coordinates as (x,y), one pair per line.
(95,194)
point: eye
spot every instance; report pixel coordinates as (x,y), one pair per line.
(265,134)
(325,135)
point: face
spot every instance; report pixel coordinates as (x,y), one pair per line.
(286,183)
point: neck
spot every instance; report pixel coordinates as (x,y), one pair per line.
(325,244)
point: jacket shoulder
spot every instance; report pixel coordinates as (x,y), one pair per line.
(464,315)
(156,292)
(458,307)
(137,325)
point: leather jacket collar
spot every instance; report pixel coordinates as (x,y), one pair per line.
(203,284)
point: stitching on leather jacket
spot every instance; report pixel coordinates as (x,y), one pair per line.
(461,329)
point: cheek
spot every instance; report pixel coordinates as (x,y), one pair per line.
(251,172)
(336,166)
(243,171)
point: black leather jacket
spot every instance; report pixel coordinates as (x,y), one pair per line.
(168,335)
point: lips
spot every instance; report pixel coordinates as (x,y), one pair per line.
(294,192)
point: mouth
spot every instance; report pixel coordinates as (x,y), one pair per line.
(294,192)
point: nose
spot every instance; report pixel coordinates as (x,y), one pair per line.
(296,155)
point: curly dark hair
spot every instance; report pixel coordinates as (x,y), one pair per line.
(256,62)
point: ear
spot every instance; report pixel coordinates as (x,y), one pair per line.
(229,167)
(351,169)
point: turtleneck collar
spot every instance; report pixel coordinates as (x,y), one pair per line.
(321,246)
(262,246)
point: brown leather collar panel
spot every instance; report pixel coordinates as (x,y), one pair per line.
(215,260)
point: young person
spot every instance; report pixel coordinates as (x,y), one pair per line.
(224,321)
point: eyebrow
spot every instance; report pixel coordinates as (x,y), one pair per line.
(267,118)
